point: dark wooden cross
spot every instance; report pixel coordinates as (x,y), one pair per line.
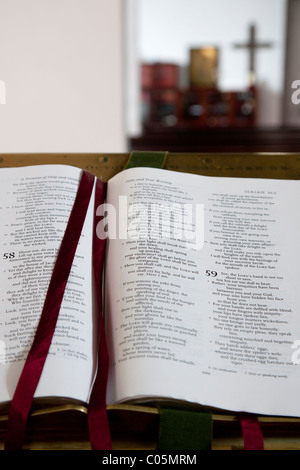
(252,45)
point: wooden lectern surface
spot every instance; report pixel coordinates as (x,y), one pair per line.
(104,166)
(135,427)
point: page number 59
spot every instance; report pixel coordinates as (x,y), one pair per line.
(211,273)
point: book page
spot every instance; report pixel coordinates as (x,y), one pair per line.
(253,298)
(34,210)
(207,314)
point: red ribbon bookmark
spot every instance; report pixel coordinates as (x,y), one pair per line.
(252,434)
(97,415)
(32,370)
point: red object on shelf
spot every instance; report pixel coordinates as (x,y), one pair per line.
(164,104)
(159,75)
(146,76)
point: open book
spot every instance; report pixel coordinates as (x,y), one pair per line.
(200,289)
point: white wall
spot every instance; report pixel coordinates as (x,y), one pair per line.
(62,64)
(167,29)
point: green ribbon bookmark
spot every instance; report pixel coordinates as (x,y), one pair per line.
(146,159)
(180,429)
(184,429)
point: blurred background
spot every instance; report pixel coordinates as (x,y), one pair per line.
(182,75)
